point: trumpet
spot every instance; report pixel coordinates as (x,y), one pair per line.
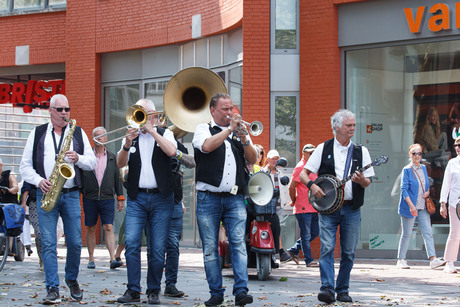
(136,117)
(255,128)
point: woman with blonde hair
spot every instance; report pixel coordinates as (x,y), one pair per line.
(261,155)
(451,190)
(415,188)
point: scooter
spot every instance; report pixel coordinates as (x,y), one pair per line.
(261,197)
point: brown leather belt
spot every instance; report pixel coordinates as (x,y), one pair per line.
(347,202)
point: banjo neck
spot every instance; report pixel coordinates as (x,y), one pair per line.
(362,169)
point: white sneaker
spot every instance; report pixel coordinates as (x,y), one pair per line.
(402,264)
(450,268)
(436,263)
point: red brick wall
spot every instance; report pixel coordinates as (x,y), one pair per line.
(43,32)
(319,75)
(256,67)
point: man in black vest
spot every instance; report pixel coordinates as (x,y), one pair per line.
(150,201)
(339,157)
(37,164)
(221,176)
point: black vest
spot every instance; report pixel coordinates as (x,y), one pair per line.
(38,153)
(210,166)
(175,167)
(328,167)
(7,198)
(161,164)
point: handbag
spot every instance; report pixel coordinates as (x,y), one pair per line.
(430,207)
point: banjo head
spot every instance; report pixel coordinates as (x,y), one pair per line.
(333,199)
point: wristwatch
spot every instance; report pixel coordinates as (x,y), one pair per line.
(178,154)
(247,143)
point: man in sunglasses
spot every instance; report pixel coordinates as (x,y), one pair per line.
(38,161)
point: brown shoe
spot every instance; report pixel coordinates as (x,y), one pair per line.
(294,257)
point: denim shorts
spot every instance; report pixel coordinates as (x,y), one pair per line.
(104,208)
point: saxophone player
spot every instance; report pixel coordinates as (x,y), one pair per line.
(46,146)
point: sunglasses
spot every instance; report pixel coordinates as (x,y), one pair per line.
(62,109)
(416,153)
(456,145)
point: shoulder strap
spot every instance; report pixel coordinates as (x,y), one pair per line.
(420,180)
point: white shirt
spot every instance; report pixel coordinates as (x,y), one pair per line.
(451,183)
(202,133)
(86,162)
(147,179)
(340,159)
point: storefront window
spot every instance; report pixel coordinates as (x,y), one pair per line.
(235,86)
(403,95)
(117,100)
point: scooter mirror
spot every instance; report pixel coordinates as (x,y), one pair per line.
(282,162)
(284,180)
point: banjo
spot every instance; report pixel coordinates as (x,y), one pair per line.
(333,189)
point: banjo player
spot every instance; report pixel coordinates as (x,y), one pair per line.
(339,157)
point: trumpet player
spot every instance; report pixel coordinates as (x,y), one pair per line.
(221,175)
(150,201)
(44,146)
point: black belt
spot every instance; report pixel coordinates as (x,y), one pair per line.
(220,194)
(149,191)
(347,202)
(68,190)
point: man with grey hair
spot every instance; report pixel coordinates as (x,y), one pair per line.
(99,188)
(339,157)
(150,201)
(38,162)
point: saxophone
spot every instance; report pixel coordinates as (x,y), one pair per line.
(62,171)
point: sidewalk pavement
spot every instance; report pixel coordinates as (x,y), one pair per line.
(374,282)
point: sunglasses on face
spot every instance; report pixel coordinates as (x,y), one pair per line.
(416,153)
(456,145)
(62,109)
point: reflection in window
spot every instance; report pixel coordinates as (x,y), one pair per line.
(235,86)
(285,127)
(27,4)
(403,95)
(286,24)
(117,100)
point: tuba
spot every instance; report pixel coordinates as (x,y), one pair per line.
(187,97)
(62,171)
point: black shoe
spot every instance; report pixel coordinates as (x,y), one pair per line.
(75,292)
(243,298)
(285,258)
(214,301)
(118,259)
(172,291)
(115,264)
(29,250)
(52,297)
(152,298)
(129,296)
(326,296)
(344,297)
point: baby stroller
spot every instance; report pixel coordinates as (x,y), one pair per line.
(11,221)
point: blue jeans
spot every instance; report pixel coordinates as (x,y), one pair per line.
(309,230)
(152,211)
(424,224)
(172,249)
(349,221)
(68,207)
(210,209)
